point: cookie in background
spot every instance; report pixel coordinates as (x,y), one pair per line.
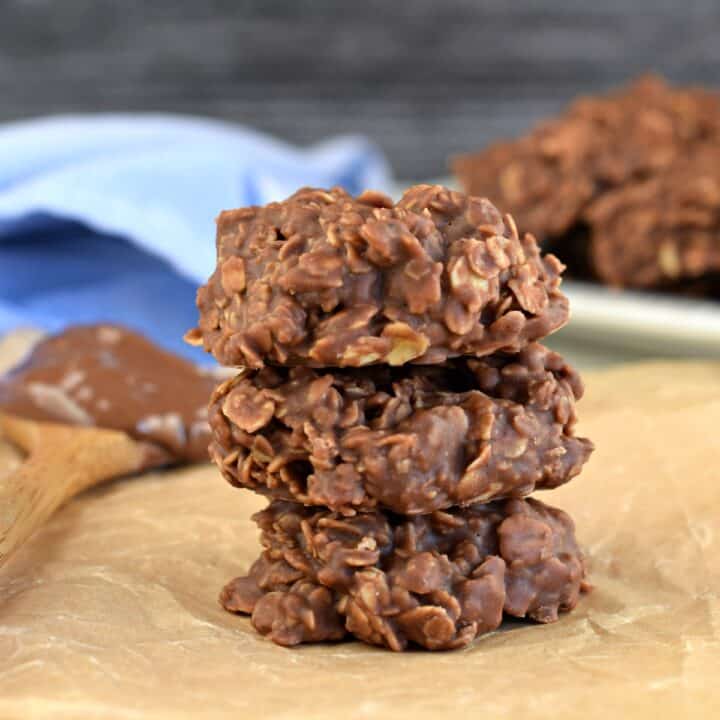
(623,187)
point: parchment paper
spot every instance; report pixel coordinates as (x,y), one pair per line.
(111,611)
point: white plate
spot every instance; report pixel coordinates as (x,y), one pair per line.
(609,325)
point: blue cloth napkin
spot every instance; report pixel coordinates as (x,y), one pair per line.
(111,217)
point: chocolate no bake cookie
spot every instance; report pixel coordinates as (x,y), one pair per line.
(323,279)
(109,376)
(663,231)
(412,439)
(436,580)
(624,187)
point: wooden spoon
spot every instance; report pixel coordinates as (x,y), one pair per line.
(91,404)
(61,461)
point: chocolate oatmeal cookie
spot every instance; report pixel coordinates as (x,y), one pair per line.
(437,581)
(624,187)
(412,439)
(326,280)
(663,231)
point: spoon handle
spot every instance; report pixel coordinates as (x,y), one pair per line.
(61,461)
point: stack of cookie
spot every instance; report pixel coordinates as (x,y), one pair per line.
(395,406)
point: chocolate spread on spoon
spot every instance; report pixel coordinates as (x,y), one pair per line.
(111,377)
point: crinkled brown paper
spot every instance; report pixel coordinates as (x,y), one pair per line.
(111,612)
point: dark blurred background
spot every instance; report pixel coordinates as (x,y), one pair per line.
(423,78)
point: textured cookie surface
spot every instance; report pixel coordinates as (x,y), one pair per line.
(326,280)
(664,230)
(437,581)
(412,439)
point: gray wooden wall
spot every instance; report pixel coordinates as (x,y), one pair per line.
(424,78)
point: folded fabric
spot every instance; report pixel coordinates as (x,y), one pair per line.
(110,217)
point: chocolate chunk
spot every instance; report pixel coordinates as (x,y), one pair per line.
(109,376)
(323,279)
(412,439)
(624,187)
(437,580)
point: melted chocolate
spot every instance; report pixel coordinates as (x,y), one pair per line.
(108,376)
